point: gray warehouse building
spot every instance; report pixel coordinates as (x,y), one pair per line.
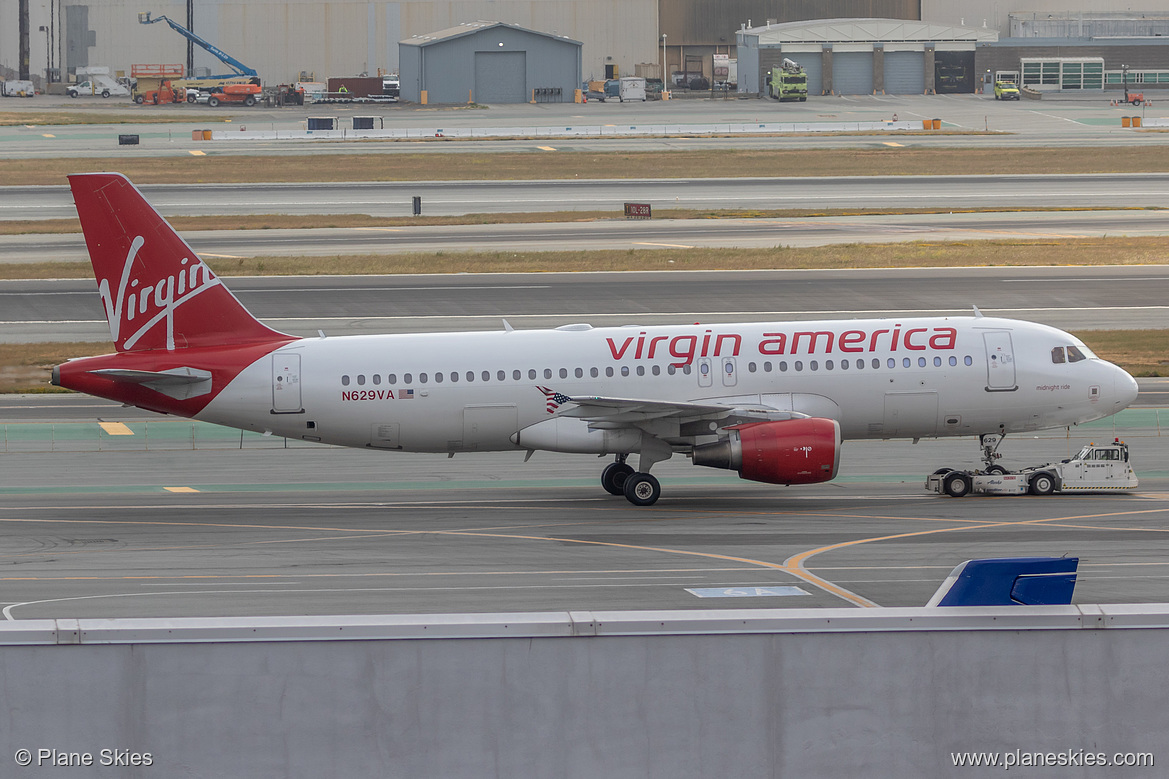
(490,63)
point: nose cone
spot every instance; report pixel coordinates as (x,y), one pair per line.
(1124,388)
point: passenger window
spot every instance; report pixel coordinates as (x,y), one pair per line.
(500,375)
(905,362)
(657,370)
(392,379)
(937,362)
(579,373)
(892,363)
(799,365)
(486,375)
(361,380)
(408,378)
(860,363)
(422,378)
(564,373)
(454,376)
(377,378)
(750,367)
(844,365)
(1075,355)
(531,373)
(609,372)
(594,372)
(470,375)
(767,367)
(1057,356)
(640,370)
(670,369)
(953,360)
(345,381)
(877,363)
(814,365)
(624,370)
(547,373)
(686,369)
(921,362)
(828,365)
(783,366)
(438,378)
(516,375)
(967,360)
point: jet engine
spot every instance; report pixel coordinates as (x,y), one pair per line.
(792,451)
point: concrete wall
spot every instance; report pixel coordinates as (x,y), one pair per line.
(832,693)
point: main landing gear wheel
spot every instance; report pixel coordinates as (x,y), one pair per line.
(642,489)
(613,478)
(956,485)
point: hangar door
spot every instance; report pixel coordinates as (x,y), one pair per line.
(500,77)
(812,65)
(904,72)
(852,72)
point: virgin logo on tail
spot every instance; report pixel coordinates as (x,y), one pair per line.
(156,302)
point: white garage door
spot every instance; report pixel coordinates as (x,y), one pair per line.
(904,72)
(500,77)
(852,72)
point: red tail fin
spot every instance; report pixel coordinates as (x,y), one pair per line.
(156,291)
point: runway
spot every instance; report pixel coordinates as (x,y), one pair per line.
(1104,297)
(449,198)
(618,233)
(313,530)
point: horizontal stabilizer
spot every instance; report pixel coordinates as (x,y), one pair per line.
(1009,581)
(178,383)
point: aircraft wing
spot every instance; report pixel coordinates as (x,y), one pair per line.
(620,412)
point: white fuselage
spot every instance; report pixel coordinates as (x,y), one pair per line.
(884,378)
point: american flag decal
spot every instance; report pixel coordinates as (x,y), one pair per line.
(555,399)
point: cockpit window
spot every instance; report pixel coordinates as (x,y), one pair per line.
(1057,356)
(1075,354)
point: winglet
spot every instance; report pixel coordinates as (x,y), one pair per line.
(1009,581)
(977,313)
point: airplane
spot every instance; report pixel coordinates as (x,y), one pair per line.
(771,400)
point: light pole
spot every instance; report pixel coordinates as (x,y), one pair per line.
(665,84)
(1124,78)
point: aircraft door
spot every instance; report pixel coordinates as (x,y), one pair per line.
(729,372)
(1000,362)
(286,383)
(705,379)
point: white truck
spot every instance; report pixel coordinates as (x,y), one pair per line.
(17,89)
(1095,468)
(104,86)
(98,82)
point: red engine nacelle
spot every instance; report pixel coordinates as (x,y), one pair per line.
(794,451)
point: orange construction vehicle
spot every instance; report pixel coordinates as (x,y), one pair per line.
(164,94)
(234,93)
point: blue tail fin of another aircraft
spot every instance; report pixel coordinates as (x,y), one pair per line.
(1009,581)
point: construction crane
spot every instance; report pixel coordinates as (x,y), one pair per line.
(239,68)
